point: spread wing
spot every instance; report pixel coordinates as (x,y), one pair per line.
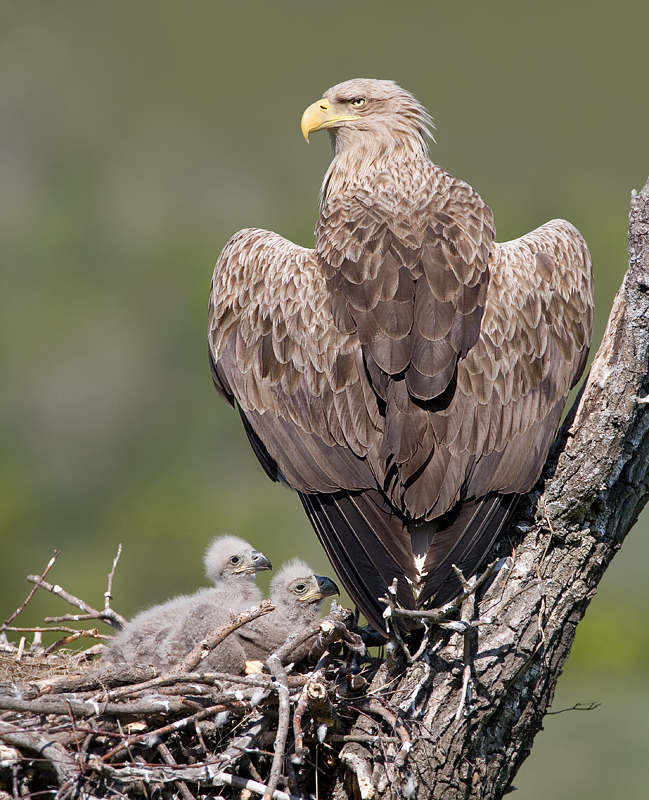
(331,355)
(513,384)
(298,380)
(428,369)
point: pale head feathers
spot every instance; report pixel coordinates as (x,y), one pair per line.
(296,585)
(387,115)
(229,558)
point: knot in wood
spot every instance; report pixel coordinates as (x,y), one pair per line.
(320,706)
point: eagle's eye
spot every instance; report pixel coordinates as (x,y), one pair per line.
(358,102)
(235,560)
(300,588)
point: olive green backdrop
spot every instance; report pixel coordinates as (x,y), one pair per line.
(135,139)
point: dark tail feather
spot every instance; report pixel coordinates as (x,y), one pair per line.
(464,537)
(362,541)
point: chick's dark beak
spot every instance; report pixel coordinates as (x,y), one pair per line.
(326,586)
(260,561)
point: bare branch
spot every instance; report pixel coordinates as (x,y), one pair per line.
(21,607)
(59,592)
(280,685)
(108,594)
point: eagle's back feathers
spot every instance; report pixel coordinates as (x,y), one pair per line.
(408,362)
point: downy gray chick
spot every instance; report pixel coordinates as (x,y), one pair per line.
(297,594)
(159,635)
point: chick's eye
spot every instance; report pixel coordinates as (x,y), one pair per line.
(235,560)
(300,588)
(358,102)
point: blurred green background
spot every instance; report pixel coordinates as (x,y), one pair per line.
(135,139)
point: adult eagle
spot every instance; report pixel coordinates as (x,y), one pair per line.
(408,369)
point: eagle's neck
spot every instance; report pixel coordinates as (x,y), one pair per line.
(365,187)
(367,162)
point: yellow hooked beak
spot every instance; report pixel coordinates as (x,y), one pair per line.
(319,115)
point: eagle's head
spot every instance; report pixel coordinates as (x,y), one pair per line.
(229,558)
(369,111)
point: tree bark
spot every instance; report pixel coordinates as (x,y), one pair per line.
(569,528)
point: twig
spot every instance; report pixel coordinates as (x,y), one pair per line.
(203,648)
(199,736)
(17,794)
(373,706)
(246,739)
(210,678)
(252,786)
(21,607)
(297,640)
(71,618)
(75,601)
(93,633)
(361,739)
(278,672)
(108,594)
(436,615)
(93,679)
(84,709)
(326,631)
(59,628)
(298,732)
(171,761)
(175,726)
(109,616)
(205,774)
(291,777)
(576,707)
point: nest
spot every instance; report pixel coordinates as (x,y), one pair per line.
(71,727)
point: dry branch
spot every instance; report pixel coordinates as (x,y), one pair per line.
(21,607)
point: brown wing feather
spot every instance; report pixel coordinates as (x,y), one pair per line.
(299,381)
(513,384)
(533,342)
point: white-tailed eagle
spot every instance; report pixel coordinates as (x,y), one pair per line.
(408,369)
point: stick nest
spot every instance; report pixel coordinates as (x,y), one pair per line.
(70,727)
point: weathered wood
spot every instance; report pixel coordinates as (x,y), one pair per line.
(596,484)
